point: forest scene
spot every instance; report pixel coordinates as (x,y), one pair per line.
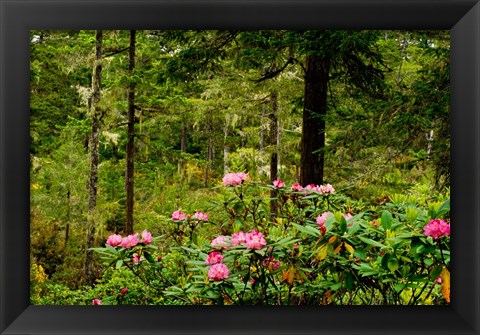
(239,167)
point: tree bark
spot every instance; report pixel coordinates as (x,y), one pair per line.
(274,155)
(129,182)
(260,146)
(225,149)
(313,123)
(209,155)
(93,180)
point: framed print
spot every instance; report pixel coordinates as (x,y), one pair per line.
(231,279)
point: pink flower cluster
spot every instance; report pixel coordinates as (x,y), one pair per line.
(178,216)
(146,237)
(218,271)
(129,241)
(220,242)
(201,216)
(114,240)
(239,238)
(213,258)
(234,179)
(437,228)
(96,302)
(320,189)
(136,259)
(270,263)
(296,188)
(253,240)
(278,183)
(322,218)
(326,189)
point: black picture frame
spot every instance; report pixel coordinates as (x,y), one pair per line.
(17,17)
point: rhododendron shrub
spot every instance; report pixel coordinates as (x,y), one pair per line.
(317,249)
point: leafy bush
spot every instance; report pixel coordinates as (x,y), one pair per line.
(313,248)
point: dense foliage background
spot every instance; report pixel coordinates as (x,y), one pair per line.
(128,127)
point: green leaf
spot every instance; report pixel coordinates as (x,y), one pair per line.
(148,257)
(307,230)
(443,209)
(387,220)
(436,272)
(112,249)
(336,286)
(119,264)
(349,281)
(428,261)
(393,264)
(399,287)
(371,242)
(343,225)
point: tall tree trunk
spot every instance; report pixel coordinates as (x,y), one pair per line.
(209,156)
(225,149)
(131,136)
(274,155)
(183,149)
(260,147)
(313,123)
(67,218)
(93,180)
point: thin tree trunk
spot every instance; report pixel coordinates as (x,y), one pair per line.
(93,180)
(260,147)
(402,52)
(129,182)
(225,150)
(208,156)
(67,227)
(313,123)
(274,155)
(183,149)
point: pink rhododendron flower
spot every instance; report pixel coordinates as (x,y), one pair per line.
(114,240)
(201,216)
(347,216)
(146,237)
(326,189)
(312,188)
(244,176)
(213,258)
(221,242)
(437,228)
(270,263)
(218,272)
(130,241)
(255,240)
(136,259)
(375,224)
(296,187)
(178,216)
(234,179)
(238,238)
(322,218)
(278,183)
(439,280)
(96,302)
